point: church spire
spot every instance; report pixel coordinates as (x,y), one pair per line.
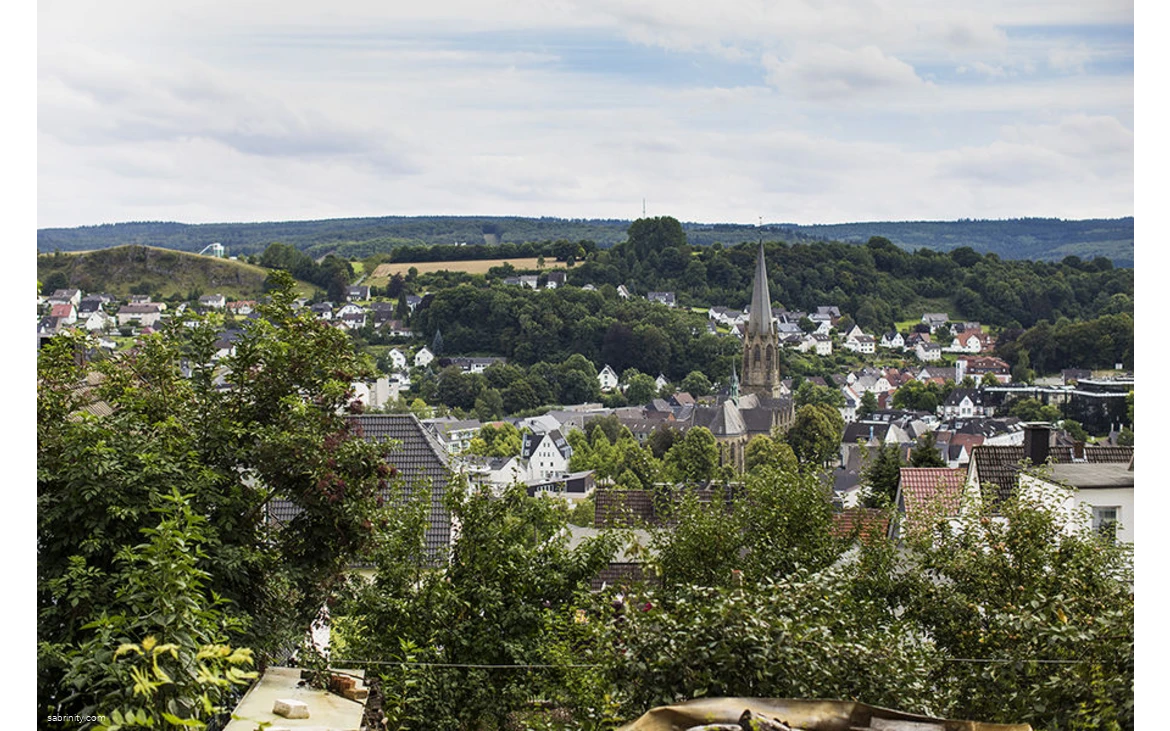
(760,317)
(761,342)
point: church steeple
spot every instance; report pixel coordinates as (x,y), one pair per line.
(760,317)
(761,344)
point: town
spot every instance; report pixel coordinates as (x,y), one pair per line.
(628,473)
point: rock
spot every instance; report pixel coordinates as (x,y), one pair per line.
(290,708)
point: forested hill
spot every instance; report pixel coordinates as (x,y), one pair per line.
(1040,239)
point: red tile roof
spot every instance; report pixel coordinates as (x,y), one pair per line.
(924,487)
(868,522)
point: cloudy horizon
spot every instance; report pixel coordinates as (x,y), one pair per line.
(713,112)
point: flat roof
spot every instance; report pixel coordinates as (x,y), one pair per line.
(1086,476)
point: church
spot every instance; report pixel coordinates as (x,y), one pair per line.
(754,405)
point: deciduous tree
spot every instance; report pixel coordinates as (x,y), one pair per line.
(109,455)
(815,435)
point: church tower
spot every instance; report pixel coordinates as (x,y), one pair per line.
(761,344)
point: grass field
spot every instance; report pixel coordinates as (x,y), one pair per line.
(479,266)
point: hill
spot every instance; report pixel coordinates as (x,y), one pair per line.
(1038,239)
(126,270)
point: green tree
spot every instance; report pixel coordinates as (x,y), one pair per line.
(502,440)
(815,435)
(56,280)
(1075,430)
(489,404)
(810,393)
(1048,612)
(506,598)
(1031,409)
(695,457)
(280,432)
(696,384)
(925,454)
(868,405)
(764,451)
(652,235)
(882,475)
(918,396)
(165,626)
(640,387)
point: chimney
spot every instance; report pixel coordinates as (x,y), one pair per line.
(1036,441)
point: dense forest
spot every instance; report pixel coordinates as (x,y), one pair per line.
(1050,315)
(1044,239)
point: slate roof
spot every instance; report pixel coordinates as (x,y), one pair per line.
(616,508)
(532,441)
(1000,465)
(865,430)
(956,397)
(140,308)
(622,508)
(420,461)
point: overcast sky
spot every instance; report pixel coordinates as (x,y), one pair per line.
(709,110)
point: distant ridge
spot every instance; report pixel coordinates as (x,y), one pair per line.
(1043,239)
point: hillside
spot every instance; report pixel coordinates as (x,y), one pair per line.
(128,270)
(1039,239)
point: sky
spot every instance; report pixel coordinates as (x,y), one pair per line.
(729,111)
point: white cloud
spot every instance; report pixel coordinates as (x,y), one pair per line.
(827,72)
(1070,58)
(219,111)
(984,69)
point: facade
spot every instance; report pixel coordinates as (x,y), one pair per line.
(607,379)
(547,455)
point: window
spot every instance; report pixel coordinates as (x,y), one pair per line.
(1105,519)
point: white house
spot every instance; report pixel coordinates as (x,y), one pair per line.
(397,359)
(968,341)
(99,321)
(547,455)
(892,340)
(821,343)
(496,473)
(861,343)
(935,319)
(928,351)
(661,382)
(607,378)
(145,315)
(965,402)
(377,393)
(65,296)
(423,357)
(1091,486)
(1089,496)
